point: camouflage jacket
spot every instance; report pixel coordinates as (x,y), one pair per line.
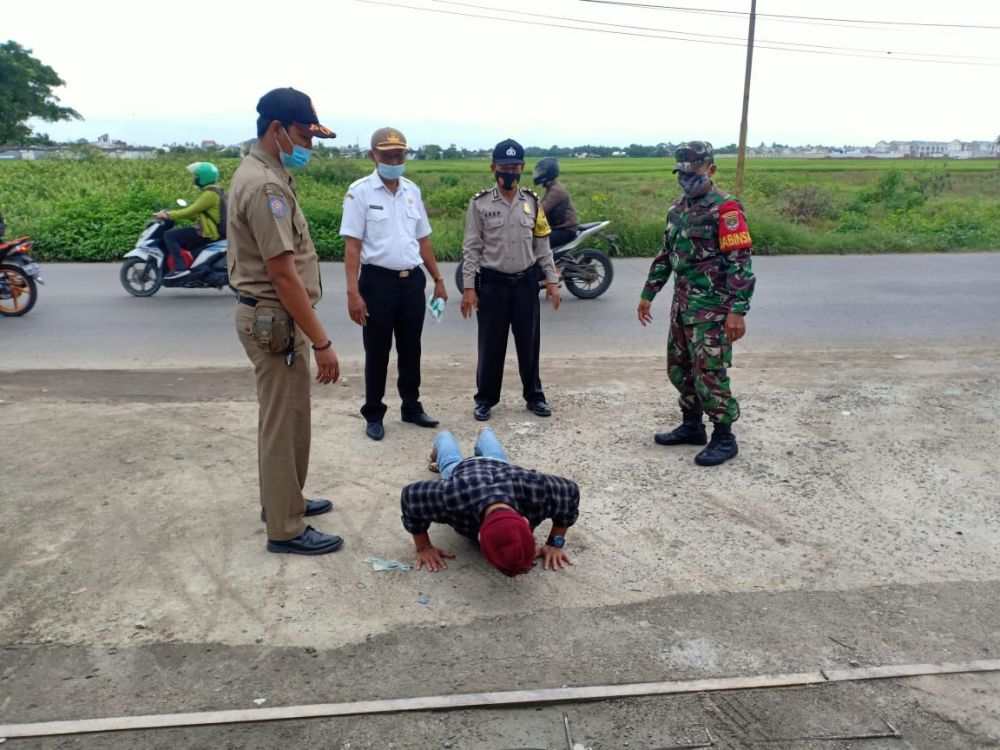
(706,245)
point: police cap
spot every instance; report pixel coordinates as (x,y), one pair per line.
(508,152)
(693,155)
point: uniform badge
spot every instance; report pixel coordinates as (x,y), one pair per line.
(349,195)
(527,209)
(277,206)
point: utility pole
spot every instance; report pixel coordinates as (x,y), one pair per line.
(742,155)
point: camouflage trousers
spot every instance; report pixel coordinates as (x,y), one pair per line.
(697,358)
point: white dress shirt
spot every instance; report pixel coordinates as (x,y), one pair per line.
(389,226)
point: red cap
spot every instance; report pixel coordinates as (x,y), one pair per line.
(507,542)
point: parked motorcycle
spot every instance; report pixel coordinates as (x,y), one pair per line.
(148,262)
(586,271)
(19,277)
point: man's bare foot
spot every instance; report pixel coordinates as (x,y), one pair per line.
(432,465)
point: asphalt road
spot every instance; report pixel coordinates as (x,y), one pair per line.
(85,319)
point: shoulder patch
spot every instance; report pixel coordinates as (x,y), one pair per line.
(277,205)
(733,232)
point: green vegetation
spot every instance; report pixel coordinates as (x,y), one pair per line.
(94,209)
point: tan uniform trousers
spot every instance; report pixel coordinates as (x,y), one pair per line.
(284,428)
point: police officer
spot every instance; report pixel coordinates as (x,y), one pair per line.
(386,233)
(707,247)
(506,254)
(273,265)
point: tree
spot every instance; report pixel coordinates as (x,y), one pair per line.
(26,91)
(430,151)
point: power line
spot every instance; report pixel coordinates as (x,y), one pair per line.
(789,17)
(717,36)
(876,55)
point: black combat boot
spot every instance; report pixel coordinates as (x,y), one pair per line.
(722,448)
(691,431)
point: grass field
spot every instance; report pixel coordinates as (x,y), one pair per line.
(93,210)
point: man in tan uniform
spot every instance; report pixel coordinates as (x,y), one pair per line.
(506,254)
(274,267)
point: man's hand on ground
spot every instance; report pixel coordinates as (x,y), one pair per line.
(433,558)
(553,558)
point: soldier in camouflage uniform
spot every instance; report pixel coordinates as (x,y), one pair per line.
(706,245)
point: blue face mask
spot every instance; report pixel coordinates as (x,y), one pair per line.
(390,171)
(295,160)
(692,184)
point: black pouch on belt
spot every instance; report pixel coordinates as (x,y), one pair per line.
(273,329)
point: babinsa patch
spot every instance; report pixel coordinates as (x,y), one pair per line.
(733,232)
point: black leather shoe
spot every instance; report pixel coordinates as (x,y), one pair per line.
(481,413)
(423,419)
(720,449)
(375,430)
(540,408)
(309,542)
(313,508)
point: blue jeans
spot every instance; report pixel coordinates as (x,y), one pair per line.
(449,455)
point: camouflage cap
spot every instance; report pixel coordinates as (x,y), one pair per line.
(693,155)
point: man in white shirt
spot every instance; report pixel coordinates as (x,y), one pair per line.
(386,239)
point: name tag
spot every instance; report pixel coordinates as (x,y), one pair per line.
(377,208)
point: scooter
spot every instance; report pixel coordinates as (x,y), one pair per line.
(148,262)
(19,277)
(586,271)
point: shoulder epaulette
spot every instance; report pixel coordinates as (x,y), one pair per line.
(358,181)
(482,192)
(529,191)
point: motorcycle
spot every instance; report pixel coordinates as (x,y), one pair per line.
(148,262)
(586,271)
(19,277)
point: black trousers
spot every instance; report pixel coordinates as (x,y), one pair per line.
(186,237)
(395,309)
(560,237)
(508,303)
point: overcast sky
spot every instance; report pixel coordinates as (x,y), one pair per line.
(153,73)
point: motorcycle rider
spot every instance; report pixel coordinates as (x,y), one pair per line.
(207,209)
(556,204)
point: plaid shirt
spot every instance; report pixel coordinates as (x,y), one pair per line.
(478,482)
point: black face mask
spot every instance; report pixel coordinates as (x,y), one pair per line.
(507,180)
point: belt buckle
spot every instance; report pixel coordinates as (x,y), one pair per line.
(403,274)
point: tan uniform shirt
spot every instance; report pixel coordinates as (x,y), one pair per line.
(506,237)
(559,208)
(264,221)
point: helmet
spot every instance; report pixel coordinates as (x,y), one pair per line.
(205,173)
(546,170)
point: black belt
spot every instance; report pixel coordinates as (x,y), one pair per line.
(393,272)
(248,301)
(490,274)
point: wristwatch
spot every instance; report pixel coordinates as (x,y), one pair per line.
(556,541)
